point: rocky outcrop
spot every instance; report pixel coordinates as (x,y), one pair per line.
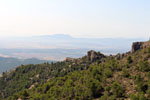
(136,46)
(93,55)
(139,45)
(68,59)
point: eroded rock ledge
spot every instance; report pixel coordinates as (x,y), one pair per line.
(139,45)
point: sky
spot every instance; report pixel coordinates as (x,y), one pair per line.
(78,18)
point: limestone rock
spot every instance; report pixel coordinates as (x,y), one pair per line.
(139,45)
(93,55)
(136,46)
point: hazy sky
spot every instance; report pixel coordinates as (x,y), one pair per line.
(84,18)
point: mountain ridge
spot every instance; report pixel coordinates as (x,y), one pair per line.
(91,77)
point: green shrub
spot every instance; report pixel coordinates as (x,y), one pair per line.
(117,89)
(133,97)
(144,66)
(149,50)
(125,72)
(108,72)
(129,60)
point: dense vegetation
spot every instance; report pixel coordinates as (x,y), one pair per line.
(119,77)
(28,76)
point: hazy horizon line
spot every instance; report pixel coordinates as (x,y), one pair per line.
(73,36)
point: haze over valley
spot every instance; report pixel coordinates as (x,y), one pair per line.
(58,47)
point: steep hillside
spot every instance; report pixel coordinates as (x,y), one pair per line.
(29,76)
(120,77)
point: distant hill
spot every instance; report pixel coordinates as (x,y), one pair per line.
(7,63)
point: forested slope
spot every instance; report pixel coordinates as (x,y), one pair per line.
(28,76)
(120,77)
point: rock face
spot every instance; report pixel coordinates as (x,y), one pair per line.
(93,56)
(139,45)
(136,46)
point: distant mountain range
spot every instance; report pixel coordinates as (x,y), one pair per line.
(45,47)
(7,63)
